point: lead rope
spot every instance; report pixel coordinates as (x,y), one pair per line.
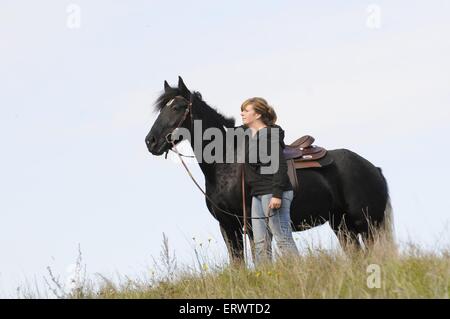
(212,203)
(244,207)
(174,149)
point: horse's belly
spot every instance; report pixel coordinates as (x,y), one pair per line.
(313,203)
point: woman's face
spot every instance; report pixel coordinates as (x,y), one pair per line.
(249,116)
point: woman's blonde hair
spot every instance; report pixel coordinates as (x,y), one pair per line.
(260,105)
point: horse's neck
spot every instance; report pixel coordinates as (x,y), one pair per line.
(212,171)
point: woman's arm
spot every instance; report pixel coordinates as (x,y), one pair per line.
(276,155)
(278,176)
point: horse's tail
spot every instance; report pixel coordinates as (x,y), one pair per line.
(387,223)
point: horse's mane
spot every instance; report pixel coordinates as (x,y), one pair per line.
(199,107)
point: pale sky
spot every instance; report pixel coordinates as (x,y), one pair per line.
(76,105)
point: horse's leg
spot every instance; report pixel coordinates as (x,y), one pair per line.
(252,242)
(348,240)
(233,239)
(346,233)
(364,194)
(362,223)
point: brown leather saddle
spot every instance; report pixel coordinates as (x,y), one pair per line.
(302,154)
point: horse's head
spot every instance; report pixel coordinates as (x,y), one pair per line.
(173,107)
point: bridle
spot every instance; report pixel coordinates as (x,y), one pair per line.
(186,112)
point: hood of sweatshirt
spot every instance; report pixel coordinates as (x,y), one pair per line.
(281,134)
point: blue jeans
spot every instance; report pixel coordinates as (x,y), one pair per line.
(277,226)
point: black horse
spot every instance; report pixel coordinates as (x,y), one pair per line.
(351,193)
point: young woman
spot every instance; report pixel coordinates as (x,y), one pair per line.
(272,194)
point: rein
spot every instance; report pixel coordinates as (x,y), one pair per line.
(174,149)
(199,187)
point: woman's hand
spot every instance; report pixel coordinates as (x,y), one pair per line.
(275,203)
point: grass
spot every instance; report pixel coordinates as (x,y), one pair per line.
(381,272)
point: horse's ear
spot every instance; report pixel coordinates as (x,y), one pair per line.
(167,87)
(183,89)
